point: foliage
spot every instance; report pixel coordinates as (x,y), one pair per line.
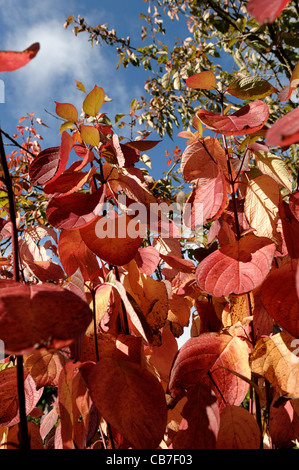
(102,280)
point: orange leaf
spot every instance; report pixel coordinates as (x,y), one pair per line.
(238,429)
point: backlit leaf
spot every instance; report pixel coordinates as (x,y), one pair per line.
(250,88)
(93,101)
(11,60)
(287,91)
(130,398)
(59,316)
(236,268)
(280,298)
(246,120)
(90,135)
(45,366)
(203,80)
(238,429)
(67,111)
(274,166)
(285,131)
(267,11)
(273,358)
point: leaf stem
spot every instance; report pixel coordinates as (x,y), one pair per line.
(24,437)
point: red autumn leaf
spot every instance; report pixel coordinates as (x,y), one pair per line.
(57,314)
(74,253)
(238,429)
(13,437)
(69,182)
(198,162)
(284,424)
(236,268)
(294,204)
(51,162)
(12,60)
(130,398)
(142,145)
(201,420)
(280,299)
(75,210)
(206,202)
(83,152)
(46,270)
(287,91)
(65,404)
(45,366)
(9,401)
(161,357)
(246,120)
(285,131)
(147,259)
(266,11)
(290,227)
(111,239)
(204,354)
(181,264)
(203,80)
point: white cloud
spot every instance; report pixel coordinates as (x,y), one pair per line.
(62,59)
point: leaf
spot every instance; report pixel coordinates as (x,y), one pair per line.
(162,356)
(274,166)
(74,254)
(280,298)
(46,270)
(236,268)
(75,210)
(285,131)
(274,359)
(93,101)
(290,228)
(294,204)
(142,145)
(150,295)
(203,80)
(67,111)
(267,11)
(112,238)
(59,316)
(68,182)
(201,420)
(250,88)
(247,120)
(51,162)
(147,259)
(11,60)
(206,202)
(284,424)
(238,429)
(65,404)
(45,366)
(261,207)
(90,135)
(199,358)
(9,401)
(130,398)
(197,162)
(80,86)
(287,91)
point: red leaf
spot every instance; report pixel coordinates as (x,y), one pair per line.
(197,162)
(147,259)
(46,270)
(51,162)
(203,80)
(236,268)
(266,11)
(201,420)
(207,202)
(280,299)
(142,145)
(111,239)
(135,403)
(238,429)
(45,366)
(246,120)
(294,204)
(74,254)
(290,227)
(285,131)
(57,314)
(75,210)
(183,265)
(9,402)
(11,60)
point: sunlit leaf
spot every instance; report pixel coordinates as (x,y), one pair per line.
(11,60)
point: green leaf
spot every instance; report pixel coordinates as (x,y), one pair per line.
(250,88)
(93,101)
(118,117)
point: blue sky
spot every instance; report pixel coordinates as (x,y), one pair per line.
(63,58)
